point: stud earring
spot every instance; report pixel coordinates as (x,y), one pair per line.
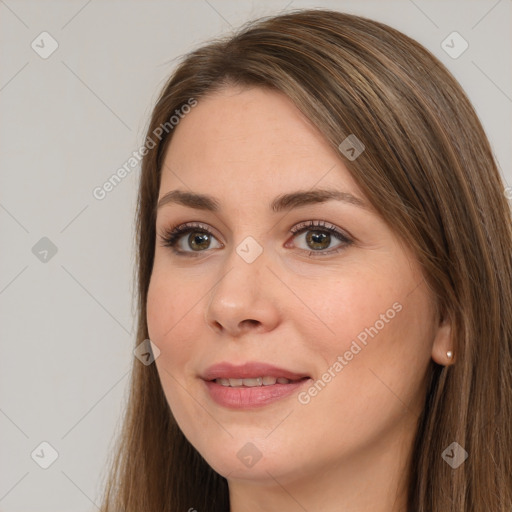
(449,354)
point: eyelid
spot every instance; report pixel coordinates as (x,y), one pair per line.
(321,225)
(171,236)
(185,226)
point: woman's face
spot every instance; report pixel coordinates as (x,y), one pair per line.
(339,308)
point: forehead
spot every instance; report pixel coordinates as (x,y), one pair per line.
(247,139)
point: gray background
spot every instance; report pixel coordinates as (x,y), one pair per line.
(68,122)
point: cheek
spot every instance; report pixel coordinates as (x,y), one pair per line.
(167,304)
(170,318)
(369,326)
(373,367)
(380,356)
(159,308)
(171,324)
(350,308)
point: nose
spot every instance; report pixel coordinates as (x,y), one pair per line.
(244,299)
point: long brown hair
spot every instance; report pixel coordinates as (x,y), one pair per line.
(429,171)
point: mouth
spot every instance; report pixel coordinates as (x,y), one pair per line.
(250,385)
(255,382)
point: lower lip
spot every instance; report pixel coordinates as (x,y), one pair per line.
(249,397)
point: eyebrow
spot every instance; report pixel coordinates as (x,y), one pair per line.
(280,203)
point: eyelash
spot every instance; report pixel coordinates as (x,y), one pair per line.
(170,237)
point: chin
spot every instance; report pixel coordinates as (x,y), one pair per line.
(252,457)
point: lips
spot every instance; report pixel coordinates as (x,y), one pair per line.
(250,385)
(250,370)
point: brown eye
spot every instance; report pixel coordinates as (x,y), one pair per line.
(318,240)
(319,236)
(199,239)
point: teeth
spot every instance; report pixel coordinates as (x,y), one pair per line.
(251,383)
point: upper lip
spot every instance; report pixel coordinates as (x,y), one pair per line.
(252,369)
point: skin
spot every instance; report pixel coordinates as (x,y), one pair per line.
(348,447)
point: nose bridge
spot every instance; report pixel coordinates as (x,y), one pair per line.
(241,293)
(245,266)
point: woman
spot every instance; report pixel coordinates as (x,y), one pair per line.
(324,271)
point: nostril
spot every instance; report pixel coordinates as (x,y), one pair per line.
(251,322)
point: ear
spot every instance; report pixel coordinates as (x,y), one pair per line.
(442,344)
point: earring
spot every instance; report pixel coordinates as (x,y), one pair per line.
(449,354)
